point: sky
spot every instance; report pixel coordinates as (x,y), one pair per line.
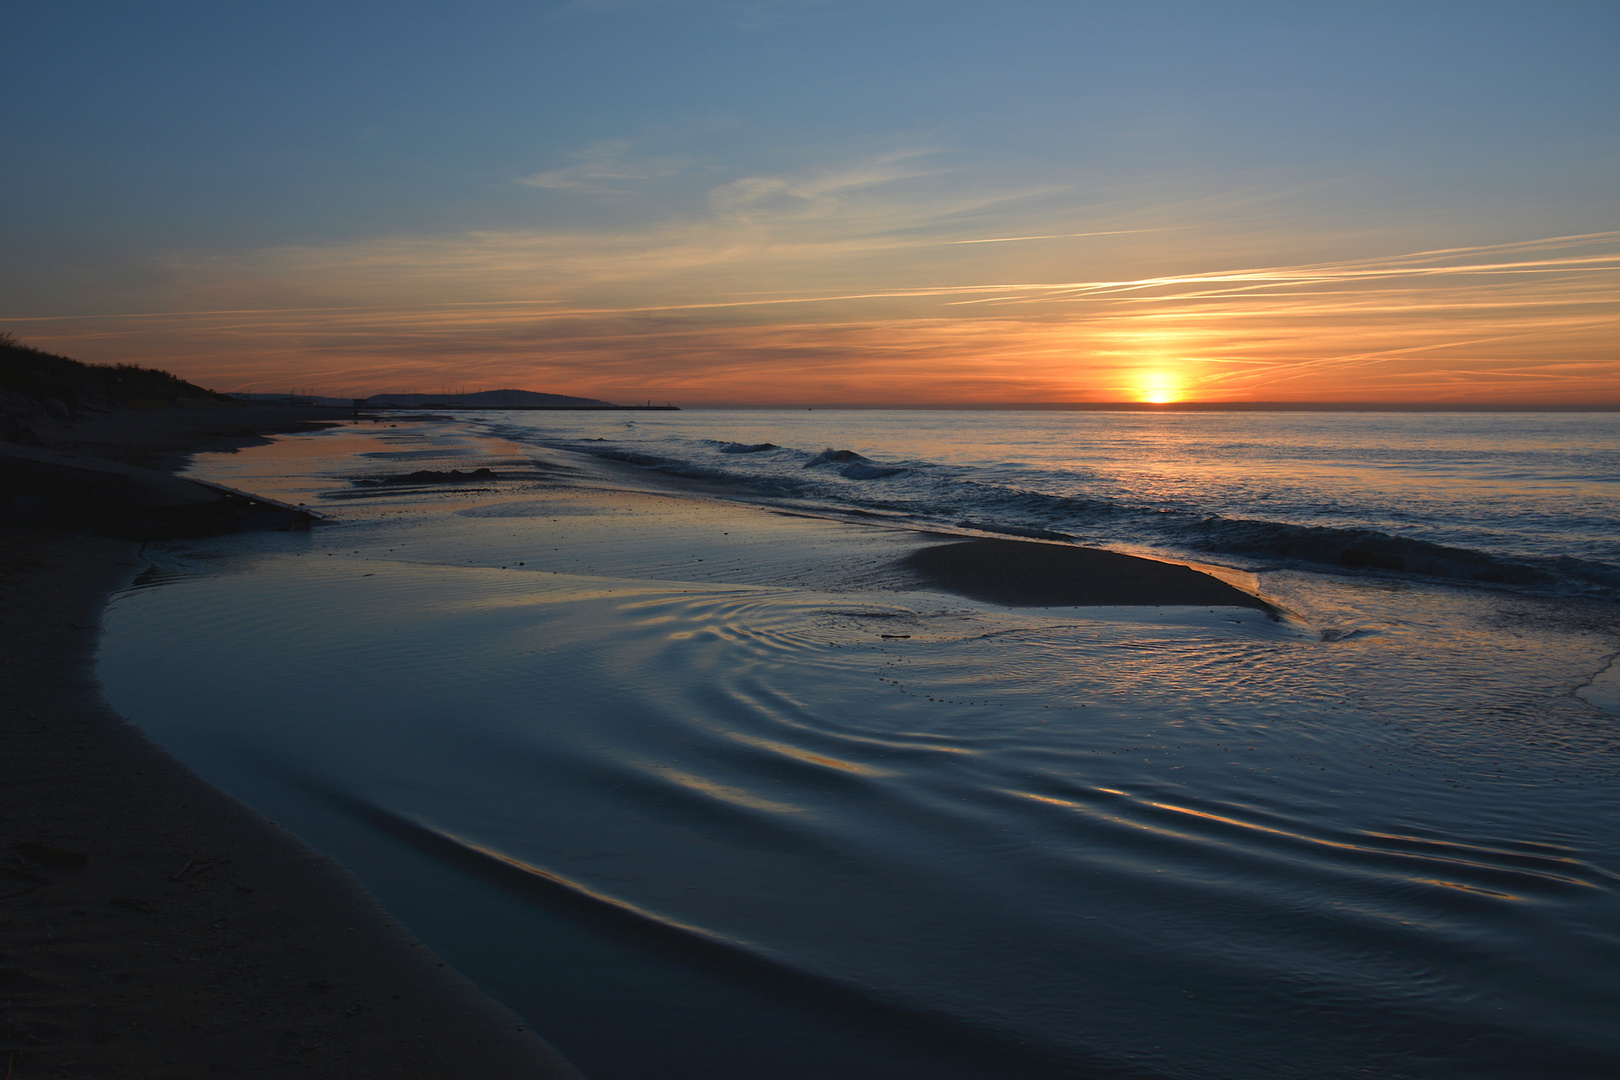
(789,202)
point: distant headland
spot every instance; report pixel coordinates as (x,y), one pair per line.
(500,399)
(35,385)
(483,399)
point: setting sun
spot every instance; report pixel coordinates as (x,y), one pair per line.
(1158,387)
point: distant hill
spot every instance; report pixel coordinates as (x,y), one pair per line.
(489,399)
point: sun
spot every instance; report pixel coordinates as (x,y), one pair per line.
(1158,387)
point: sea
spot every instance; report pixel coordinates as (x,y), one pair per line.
(651,732)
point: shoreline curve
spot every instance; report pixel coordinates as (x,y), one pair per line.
(156,926)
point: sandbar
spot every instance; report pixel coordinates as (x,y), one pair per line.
(1025,573)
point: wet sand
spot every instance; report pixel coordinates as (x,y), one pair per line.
(1020,573)
(153,927)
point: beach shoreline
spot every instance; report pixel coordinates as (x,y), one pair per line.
(154,926)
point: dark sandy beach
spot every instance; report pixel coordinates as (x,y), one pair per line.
(149,925)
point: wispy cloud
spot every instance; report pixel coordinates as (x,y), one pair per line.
(820,194)
(869,281)
(1055,236)
(604,167)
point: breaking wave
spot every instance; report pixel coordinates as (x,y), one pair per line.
(1461,542)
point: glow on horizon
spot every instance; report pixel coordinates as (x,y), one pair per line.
(1159,388)
(1531,321)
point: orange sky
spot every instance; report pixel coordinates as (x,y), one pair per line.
(821,202)
(755,315)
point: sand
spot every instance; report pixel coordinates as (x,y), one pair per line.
(193,938)
(1021,573)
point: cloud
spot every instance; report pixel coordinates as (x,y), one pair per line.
(869,280)
(819,194)
(604,167)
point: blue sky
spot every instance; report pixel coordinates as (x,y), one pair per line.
(619,186)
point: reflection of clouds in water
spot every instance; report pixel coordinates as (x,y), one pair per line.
(1168,789)
(541,508)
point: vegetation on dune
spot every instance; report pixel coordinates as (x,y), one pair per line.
(47,377)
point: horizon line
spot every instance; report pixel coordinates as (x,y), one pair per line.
(1024,406)
(1188,406)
